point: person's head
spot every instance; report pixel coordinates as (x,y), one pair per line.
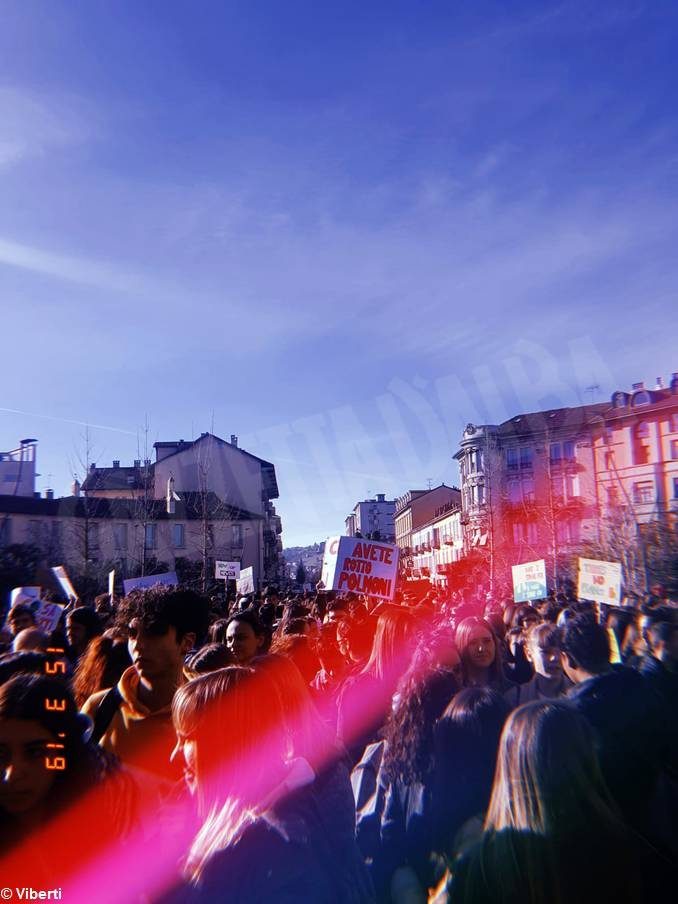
(101,665)
(355,638)
(30,639)
(230,735)
(216,632)
(19,617)
(209,658)
(31,773)
(445,654)
(524,617)
(336,610)
(245,637)
(662,638)
(82,625)
(548,780)
(422,696)
(392,645)
(163,624)
(307,734)
(478,648)
(585,648)
(543,650)
(466,741)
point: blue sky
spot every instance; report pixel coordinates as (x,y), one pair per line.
(338,230)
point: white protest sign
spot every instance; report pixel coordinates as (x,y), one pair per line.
(227,571)
(24,595)
(329,561)
(362,566)
(111,584)
(245,583)
(529,581)
(47,617)
(599,581)
(65,582)
(150,580)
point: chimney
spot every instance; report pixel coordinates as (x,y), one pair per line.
(36,495)
(674,383)
(640,385)
(381,497)
(147,462)
(660,383)
(137,462)
(75,488)
(116,463)
(49,494)
(93,466)
(234,440)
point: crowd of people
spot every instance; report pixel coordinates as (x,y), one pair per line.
(446,746)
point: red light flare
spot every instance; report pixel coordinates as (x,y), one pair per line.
(96,863)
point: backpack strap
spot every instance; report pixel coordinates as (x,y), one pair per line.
(110,703)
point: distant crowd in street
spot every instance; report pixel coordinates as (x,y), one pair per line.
(442,746)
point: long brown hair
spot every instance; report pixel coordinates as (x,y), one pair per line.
(547,779)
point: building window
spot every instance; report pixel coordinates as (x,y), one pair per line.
(532,533)
(514,494)
(641,443)
(641,398)
(92,537)
(612,496)
(178,536)
(674,449)
(674,422)
(35,533)
(675,487)
(571,486)
(237,535)
(568,451)
(5,531)
(643,492)
(150,536)
(525,458)
(475,461)
(518,532)
(619,400)
(512,459)
(528,490)
(120,536)
(555,452)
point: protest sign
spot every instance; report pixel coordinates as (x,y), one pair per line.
(362,566)
(529,581)
(245,583)
(24,595)
(227,571)
(599,581)
(150,580)
(111,584)
(47,617)
(65,582)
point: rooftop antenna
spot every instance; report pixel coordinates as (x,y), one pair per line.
(430,482)
(593,389)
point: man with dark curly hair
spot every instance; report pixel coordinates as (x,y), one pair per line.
(133,719)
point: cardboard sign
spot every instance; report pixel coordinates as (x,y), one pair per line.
(245,583)
(47,617)
(111,584)
(227,571)
(150,580)
(529,581)
(65,582)
(362,566)
(599,581)
(24,595)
